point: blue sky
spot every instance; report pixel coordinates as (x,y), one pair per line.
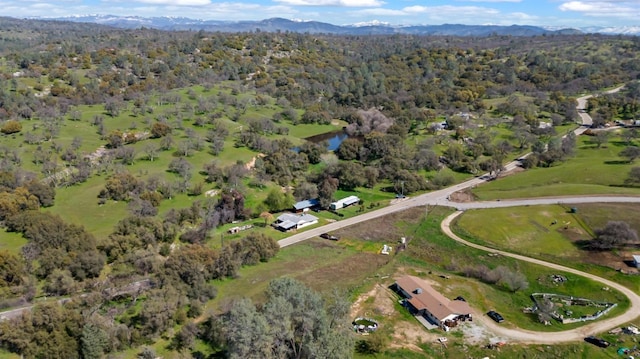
(561,13)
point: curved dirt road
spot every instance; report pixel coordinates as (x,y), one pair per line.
(441,197)
(587,121)
(527,336)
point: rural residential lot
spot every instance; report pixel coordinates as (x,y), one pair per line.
(183,194)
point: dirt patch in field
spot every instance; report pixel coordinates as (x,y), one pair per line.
(345,274)
(462,196)
(620,261)
(466,195)
(380,300)
(379,303)
(407,335)
(252,163)
(382,229)
(476,333)
(511,172)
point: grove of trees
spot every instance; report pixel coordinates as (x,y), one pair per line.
(141,118)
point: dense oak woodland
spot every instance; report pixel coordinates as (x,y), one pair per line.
(386,89)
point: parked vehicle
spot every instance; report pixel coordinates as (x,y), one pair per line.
(329,236)
(597,341)
(495,316)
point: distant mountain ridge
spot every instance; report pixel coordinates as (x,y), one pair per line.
(316,27)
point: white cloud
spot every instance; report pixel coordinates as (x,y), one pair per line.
(42,6)
(341,3)
(198,9)
(614,8)
(524,16)
(47,1)
(436,11)
(381,12)
(176,2)
(448,14)
(491,0)
(573,13)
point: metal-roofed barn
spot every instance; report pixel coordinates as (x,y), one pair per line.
(345,202)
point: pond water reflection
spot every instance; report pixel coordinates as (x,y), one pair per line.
(334,139)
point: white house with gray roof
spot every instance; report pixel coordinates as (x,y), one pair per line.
(290,221)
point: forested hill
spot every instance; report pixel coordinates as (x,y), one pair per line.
(140,168)
(558,61)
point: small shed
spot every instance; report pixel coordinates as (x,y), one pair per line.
(636,260)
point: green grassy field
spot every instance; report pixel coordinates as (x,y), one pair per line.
(7,355)
(527,230)
(353,264)
(431,254)
(11,242)
(79,204)
(592,171)
(597,215)
(560,245)
(431,251)
(320,264)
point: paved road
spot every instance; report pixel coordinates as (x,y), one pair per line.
(437,197)
(441,197)
(587,121)
(527,336)
(546,200)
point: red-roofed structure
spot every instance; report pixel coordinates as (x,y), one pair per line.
(424,300)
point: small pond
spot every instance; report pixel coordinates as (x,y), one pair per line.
(333,138)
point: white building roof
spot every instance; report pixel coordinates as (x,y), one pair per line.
(290,220)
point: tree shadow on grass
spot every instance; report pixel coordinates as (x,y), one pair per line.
(619,143)
(617,162)
(587,246)
(590,245)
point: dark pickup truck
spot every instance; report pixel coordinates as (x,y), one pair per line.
(597,341)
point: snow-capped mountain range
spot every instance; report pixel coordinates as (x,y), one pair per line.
(374,27)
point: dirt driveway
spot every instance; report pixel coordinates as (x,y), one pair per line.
(528,336)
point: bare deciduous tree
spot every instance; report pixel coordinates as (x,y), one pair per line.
(615,234)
